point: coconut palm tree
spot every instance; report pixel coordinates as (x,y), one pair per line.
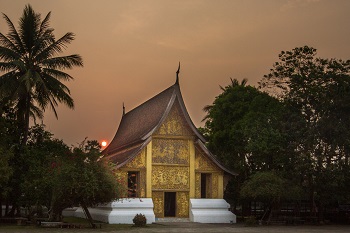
(31,70)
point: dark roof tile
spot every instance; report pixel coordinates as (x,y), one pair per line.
(136,123)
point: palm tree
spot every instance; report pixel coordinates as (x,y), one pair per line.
(234,83)
(32,75)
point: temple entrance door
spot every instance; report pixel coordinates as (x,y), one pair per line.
(169,204)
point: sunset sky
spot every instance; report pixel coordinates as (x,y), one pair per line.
(131,50)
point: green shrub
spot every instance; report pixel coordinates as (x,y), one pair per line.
(139,220)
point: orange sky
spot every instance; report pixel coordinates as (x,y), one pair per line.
(131,50)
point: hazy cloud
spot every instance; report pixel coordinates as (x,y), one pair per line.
(290,4)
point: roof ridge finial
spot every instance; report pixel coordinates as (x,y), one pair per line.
(177,74)
(123,109)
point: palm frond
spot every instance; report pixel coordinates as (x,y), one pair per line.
(55,47)
(207,108)
(244,82)
(29,27)
(7,54)
(65,62)
(13,34)
(36,111)
(57,74)
(45,23)
(7,66)
(8,81)
(57,90)
(42,42)
(6,42)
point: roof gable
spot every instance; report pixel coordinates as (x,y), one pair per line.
(140,123)
(174,124)
(136,128)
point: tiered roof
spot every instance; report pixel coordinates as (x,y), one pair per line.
(137,126)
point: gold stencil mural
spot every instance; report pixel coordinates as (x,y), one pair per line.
(204,164)
(198,185)
(214,181)
(168,177)
(142,184)
(174,124)
(138,162)
(158,202)
(170,151)
(182,199)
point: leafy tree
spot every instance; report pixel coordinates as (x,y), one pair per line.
(32,78)
(270,188)
(318,88)
(8,139)
(81,179)
(59,177)
(251,131)
(37,183)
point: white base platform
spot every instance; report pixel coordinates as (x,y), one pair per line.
(122,211)
(211,211)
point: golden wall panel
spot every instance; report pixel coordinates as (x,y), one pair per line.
(175,124)
(158,202)
(170,151)
(182,199)
(198,185)
(138,162)
(142,184)
(215,185)
(168,177)
(203,163)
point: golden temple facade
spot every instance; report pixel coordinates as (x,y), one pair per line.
(161,155)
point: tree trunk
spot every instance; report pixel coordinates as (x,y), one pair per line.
(88,216)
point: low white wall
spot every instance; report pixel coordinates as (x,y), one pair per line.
(121,211)
(211,211)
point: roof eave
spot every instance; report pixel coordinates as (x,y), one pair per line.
(134,154)
(186,115)
(213,158)
(165,114)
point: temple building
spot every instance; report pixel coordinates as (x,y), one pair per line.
(162,158)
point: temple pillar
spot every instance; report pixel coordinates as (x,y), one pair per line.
(192,169)
(149,170)
(221,186)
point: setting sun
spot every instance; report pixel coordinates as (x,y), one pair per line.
(104,143)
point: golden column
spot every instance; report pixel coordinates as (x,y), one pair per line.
(149,170)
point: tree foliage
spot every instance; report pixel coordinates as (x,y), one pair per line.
(295,125)
(55,176)
(269,187)
(248,130)
(251,131)
(319,89)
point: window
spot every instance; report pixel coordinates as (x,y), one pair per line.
(133,184)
